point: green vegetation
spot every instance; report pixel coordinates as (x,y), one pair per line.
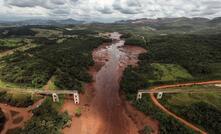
(201,109)
(67,62)
(7,44)
(47,32)
(173,59)
(17,99)
(5,85)
(168,125)
(134,40)
(196,53)
(25,70)
(46,119)
(169,72)
(16,31)
(2,120)
(78,112)
(60,59)
(51,85)
(79,32)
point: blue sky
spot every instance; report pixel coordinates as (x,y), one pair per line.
(107,10)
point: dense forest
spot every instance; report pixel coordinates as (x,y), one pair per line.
(16,31)
(67,62)
(196,53)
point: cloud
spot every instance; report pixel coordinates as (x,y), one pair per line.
(127,7)
(58,12)
(105,10)
(25,3)
(110,10)
(58,2)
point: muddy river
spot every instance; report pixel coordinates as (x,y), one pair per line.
(105,112)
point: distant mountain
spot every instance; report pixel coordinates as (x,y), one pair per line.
(42,22)
(182,24)
(179,21)
(215,20)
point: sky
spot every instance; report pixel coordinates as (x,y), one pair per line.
(107,10)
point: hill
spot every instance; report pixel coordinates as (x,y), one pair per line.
(41,22)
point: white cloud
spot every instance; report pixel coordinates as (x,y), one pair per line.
(108,10)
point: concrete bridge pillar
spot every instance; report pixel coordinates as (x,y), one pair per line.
(76,98)
(55,97)
(139,95)
(160,95)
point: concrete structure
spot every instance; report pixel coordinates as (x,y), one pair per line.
(139,95)
(160,95)
(76,98)
(55,97)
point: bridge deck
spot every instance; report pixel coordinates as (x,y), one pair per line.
(179,91)
(38,91)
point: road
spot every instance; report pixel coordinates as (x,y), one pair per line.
(39,91)
(159,105)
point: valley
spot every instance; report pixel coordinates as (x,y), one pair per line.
(108,64)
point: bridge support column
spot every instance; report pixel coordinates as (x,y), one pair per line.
(139,95)
(55,97)
(76,98)
(159,95)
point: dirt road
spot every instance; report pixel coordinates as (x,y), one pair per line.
(16,117)
(158,104)
(106,112)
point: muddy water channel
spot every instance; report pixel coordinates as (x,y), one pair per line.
(106,112)
(107,100)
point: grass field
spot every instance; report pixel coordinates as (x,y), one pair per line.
(169,72)
(47,32)
(188,99)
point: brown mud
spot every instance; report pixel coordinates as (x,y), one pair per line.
(103,109)
(16,117)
